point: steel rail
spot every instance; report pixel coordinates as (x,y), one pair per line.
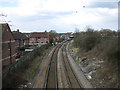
(48,70)
(55,52)
(65,66)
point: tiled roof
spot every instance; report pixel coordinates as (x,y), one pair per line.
(18,35)
(27,34)
(39,34)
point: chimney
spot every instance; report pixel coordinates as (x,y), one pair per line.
(17,30)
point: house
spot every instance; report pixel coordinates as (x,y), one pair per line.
(67,36)
(62,35)
(39,37)
(21,39)
(27,34)
(8,44)
(57,36)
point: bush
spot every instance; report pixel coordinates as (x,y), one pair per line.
(112,50)
(87,40)
(13,73)
(105,40)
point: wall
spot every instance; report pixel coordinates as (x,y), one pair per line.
(7,45)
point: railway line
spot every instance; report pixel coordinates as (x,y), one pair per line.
(71,78)
(51,79)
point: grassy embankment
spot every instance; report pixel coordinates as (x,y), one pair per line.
(97,52)
(31,71)
(26,68)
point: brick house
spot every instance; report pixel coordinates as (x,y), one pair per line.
(8,44)
(21,39)
(39,37)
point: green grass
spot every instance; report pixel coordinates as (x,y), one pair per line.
(31,71)
(77,62)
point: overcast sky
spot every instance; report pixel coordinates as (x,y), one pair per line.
(59,15)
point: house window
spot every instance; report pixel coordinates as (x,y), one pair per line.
(17,40)
(9,46)
(45,38)
(39,37)
(32,38)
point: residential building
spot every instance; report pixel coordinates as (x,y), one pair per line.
(21,39)
(27,34)
(57,36)
(8,45)
(39,37)
(67,36)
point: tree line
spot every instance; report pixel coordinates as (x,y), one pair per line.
(105,41)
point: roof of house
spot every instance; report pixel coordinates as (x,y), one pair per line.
(57,35)
(5,27)
(27,34)
(18,35)
(39,34)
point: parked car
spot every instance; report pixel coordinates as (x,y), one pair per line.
(17,55)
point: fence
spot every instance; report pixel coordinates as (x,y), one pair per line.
(9,74)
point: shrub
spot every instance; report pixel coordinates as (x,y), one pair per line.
(105,40)
(112,50)
(13,73)
(87,40)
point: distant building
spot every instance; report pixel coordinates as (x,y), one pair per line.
(57,36)
(27,34)
(8,45)
(62,35)
(67,36)
(39,37)
(21,39)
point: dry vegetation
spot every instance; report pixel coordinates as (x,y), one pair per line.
(23,72)
(100,52)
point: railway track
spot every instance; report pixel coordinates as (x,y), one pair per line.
(51,77)
(71,78)
(60,71)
